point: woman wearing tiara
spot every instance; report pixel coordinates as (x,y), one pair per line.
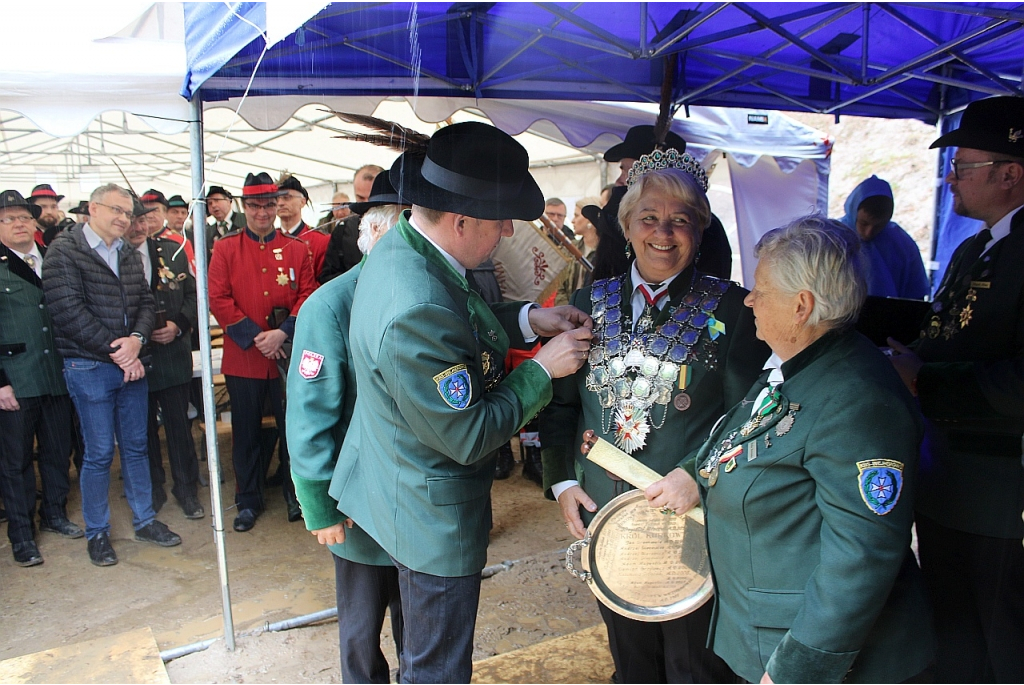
(674,350)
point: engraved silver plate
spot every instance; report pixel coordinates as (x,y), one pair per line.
(644,564)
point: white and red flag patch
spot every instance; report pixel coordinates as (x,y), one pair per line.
(309,365)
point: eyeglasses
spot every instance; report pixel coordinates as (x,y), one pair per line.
(118,212)
(959,166)
(8,220)
(261,207)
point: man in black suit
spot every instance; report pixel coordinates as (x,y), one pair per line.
(967,370)
(342,251)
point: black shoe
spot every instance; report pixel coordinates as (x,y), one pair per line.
(533,467)
(3,514)
(159,498)
(245,520)
(62,527)
(192,508)
(26,554)
(294,510)
(503,466)
(101,552)
(158,534)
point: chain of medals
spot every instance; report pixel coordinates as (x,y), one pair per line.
(957,300)
(725,456)
(168,279)
(631,373)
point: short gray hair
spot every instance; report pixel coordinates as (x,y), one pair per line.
(375,223)
(822,256)
(102,191)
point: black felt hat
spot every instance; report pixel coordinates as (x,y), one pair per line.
(44,191)
(381,192)
(82,209)
(258,186)
(138,209)
(12,198)
(292,183)
(993,125)
(639,142)
(218,190)
(472,169)
(154,196)
(177,201)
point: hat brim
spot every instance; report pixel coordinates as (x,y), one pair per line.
(414,189)
(616,153)
(263,196)
(376,201)
(55,198)
(977,140)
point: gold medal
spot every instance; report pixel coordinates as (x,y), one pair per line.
(965,315)
(934,327)
(713,477)
(282,279)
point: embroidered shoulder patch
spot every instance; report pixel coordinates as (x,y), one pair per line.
(880,481)
(455,386)
(309,364)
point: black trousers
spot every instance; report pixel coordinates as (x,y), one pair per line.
(248,396)
(181,449)
(976,586)
(49,417)
(364,593)
(666,652)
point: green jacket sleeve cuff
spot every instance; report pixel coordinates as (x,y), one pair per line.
(532,386)
(795,662)
(319,509)
(556,468)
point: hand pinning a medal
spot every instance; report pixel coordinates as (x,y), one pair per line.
(567,351)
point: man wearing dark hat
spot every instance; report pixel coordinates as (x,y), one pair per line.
(47,200)
(170,373)
(259,277)
(715,254)
(223,218)
(33,397)
(321,395)
(156,205)
(289,211)
(967,370)
(177,213)
(103,315)
(342,251)
(424,345)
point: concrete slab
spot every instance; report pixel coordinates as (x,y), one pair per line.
(131,657)
(580,657)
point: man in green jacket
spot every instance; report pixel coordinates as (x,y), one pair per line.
(33,398)
(415,469)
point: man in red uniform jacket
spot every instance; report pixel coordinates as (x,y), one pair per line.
(289,211)
(259,277)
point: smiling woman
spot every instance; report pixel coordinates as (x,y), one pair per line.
(674,348)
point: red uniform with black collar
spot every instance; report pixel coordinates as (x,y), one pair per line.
(190,253)
(317,243)
(248,277)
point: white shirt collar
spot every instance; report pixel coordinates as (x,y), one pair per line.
(636,279)
(294,229)
(1001,229)
(774,363)
(33,252)
(451,260)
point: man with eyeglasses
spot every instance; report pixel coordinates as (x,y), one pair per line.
(33,397)
(222,217)
(103,314)
(289,211)
(967,370)
(259,277)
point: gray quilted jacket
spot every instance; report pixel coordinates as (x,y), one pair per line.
(89,305)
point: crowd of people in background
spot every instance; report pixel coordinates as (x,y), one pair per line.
(396,379)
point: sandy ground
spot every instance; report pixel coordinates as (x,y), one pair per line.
(277,571)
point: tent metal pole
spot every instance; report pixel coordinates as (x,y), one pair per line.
(209,402)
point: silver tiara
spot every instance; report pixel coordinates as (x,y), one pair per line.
(668,159)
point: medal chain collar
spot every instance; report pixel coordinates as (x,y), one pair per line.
(633,372)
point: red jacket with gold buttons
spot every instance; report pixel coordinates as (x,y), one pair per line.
(317,243)
(248,277)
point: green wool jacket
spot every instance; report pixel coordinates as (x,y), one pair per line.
(574,409)
(415,469)
(29,361)
(971,389)
(321,398)
(172,363)
(811,584)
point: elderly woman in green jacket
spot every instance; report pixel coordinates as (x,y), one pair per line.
(808,484)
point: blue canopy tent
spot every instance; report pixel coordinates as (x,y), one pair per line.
(895,60)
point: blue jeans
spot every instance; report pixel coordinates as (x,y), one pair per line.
(107,405)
